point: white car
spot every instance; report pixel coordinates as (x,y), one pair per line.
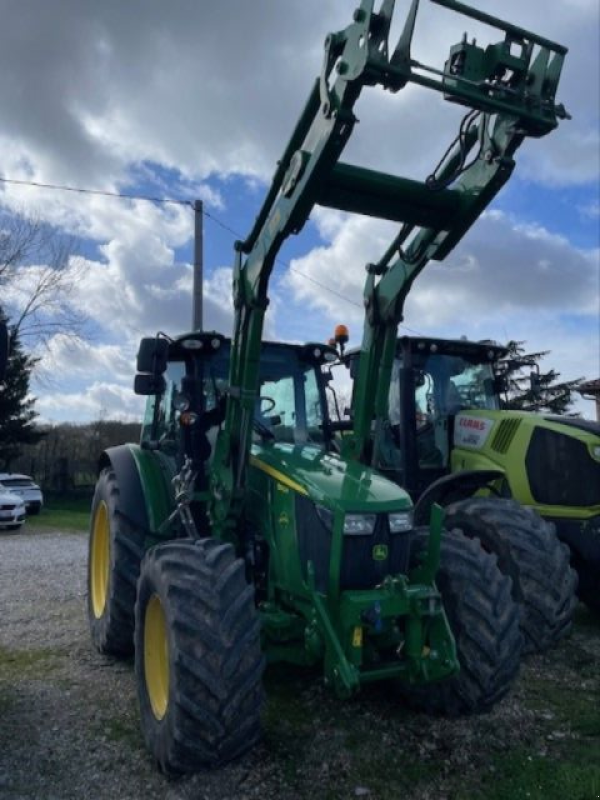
(12,510)
(24,487)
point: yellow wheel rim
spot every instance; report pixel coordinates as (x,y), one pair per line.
(156,657)
(100,559)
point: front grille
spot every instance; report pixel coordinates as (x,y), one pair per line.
(561,471)
(505,434)
(7,508)
(360,570)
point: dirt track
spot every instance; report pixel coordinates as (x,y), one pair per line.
(70,727)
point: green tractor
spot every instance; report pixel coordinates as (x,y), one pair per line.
(235,534)
(448,437)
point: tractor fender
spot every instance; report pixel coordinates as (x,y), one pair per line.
(451,488)
(131,503)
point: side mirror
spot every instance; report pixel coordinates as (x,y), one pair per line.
(153,355)
(3,349)
(147,384)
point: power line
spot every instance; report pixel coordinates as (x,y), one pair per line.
(165,201)
(285,263)
(101,192)
(177,202)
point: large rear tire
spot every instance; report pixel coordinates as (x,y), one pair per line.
(116,548)
(485,622)
(198,660)
(530,552)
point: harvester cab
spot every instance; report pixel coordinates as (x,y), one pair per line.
(268,544)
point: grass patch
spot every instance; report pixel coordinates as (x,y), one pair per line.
(124,730)
(27,663)
(568,771)
(64,513)
(342,744)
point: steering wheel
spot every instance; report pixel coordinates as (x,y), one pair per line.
(266,404)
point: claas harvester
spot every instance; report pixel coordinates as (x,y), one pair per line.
(448,439)
(235,533)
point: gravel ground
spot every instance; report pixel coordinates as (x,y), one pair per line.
(70,727)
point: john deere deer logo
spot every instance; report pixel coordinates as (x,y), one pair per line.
(380,552)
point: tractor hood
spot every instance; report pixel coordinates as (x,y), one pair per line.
(586,425)
(328,479)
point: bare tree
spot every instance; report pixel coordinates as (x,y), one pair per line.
(38,275)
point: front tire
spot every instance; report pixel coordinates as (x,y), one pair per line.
(198,660)
(485,622)
(530,552)
(115,553)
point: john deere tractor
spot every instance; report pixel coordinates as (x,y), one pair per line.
(235,534)
(447,437)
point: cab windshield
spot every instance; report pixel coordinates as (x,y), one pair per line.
(448,384)
(290,402)
(443,385)
(289,406)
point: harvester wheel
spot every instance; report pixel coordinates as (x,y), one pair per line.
(198,660)
(485,622)
(530,552)
(116,548)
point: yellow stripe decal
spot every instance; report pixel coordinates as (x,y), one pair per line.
(279,476)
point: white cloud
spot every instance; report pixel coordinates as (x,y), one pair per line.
(99,400)
(89,89)
(505,281)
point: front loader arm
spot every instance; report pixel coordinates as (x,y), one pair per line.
(472,182)
(309,173)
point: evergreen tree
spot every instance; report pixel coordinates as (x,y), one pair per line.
(529,389)
(17,414)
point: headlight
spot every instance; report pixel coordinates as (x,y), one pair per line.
(359,524)
(596,452)
(401,521)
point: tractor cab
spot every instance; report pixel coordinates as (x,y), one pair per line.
(433,381)
(186,381)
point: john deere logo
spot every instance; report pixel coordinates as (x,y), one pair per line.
(380,552)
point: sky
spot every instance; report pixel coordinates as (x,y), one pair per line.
(193,99)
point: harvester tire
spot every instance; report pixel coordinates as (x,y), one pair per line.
(529,552)
(485,622)
(198,660)
(116,548)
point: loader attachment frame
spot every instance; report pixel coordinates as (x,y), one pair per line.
(509,89)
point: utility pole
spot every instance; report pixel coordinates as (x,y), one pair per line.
(197,321)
